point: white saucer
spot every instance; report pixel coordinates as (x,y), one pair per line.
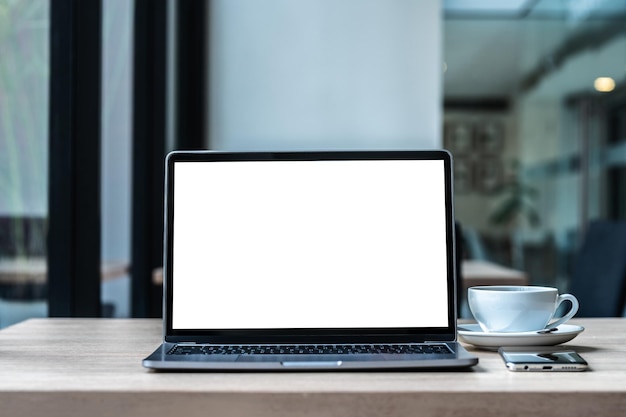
(472,333)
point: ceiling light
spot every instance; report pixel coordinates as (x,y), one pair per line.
(604,84)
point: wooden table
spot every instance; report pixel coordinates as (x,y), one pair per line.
(473,273)
(476,272)
(34,270)
(92,367)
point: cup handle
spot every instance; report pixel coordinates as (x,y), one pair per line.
(573,310)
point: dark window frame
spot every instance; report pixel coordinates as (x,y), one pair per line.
(74,235)
(150,126)
(149,138)
(74,200)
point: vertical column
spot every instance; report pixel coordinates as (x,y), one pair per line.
(149,138)
(74,169)
(192,73)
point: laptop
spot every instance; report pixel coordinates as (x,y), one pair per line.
(337,260)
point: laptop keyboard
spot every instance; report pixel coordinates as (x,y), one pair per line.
(308,349)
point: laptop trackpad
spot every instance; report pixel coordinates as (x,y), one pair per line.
(312,365)
(295,361)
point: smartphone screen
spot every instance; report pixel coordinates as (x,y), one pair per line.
(542,359)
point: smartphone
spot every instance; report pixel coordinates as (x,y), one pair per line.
(542,359)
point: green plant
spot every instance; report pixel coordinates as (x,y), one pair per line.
(516,202)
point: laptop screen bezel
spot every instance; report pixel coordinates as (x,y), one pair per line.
(308,335)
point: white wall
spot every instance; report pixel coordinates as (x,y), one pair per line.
(325,74)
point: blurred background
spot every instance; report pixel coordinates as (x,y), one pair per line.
(528,95)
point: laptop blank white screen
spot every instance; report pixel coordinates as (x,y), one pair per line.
(309,244)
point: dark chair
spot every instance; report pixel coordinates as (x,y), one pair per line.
(599,270)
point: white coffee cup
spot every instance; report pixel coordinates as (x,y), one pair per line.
(518,308)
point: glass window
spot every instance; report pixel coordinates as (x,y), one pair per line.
(24,41)
(534,114)
(116,156)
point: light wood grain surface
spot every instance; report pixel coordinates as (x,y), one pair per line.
(92,367)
